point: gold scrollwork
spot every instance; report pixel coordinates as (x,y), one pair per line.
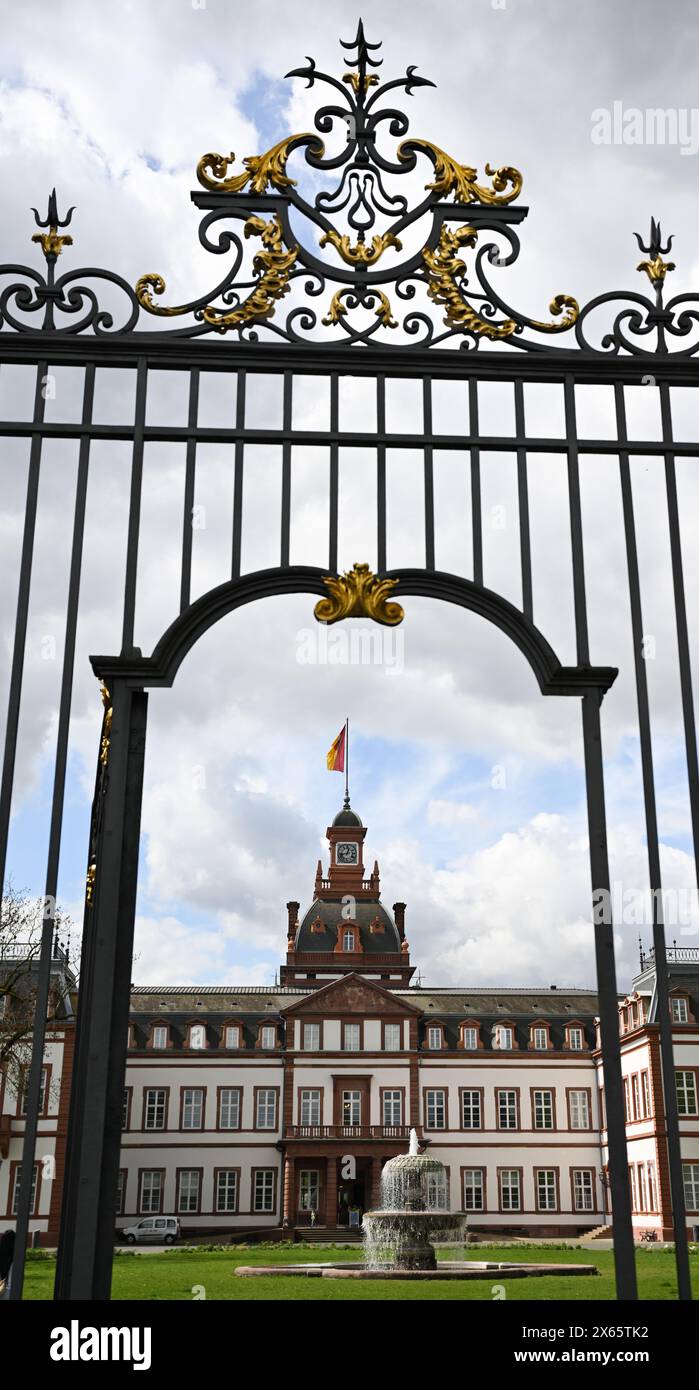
(557,306)
(106,725)
(444,271)
(360,253)
(260,170)
(273,266)
(358,594)
(338,308)
(90,883)
(656,269)
(452,177)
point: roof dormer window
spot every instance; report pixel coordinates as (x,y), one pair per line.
(197,1037)
(160,1037)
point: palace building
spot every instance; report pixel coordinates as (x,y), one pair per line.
(272,1110)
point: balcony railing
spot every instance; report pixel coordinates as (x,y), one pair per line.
(396,1132)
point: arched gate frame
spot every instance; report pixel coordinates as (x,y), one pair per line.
(342,318)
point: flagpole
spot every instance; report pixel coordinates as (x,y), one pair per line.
(347,760)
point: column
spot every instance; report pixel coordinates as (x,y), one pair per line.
(331,1192)
(289,1208)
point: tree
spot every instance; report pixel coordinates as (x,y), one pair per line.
(21,923)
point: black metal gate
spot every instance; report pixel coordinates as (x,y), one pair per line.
(377,285)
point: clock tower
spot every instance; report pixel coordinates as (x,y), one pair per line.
(346,841)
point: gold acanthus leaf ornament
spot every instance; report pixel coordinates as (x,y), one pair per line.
(360,253)
(106,725)
(273,265)
(359,594)
(259,170)
(444,271)
(656,269)
(354,79)
(460,179)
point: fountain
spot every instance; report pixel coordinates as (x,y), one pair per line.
(398,1235)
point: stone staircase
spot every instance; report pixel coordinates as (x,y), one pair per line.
(599,1233)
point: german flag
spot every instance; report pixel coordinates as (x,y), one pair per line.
(336,754)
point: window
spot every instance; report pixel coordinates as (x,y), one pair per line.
(311,1037)
(42,1090)
(627,1099)
(510,1189)
(507,1110)
(268,1036)
(436,1109)
(652,1189)
(310,1108)
(151,1190)
(690,1178)
(393,1107)
(156,1108)
(541,1039)
(229,1107)
(392,1037)
(469,1038)
(309,1190)
(583,1195)
(351,1037)
(546,1194)
(121,1184)
(188,1190)
(686,1082)
(632,1185)
(351,1108)
(15,1195)
(437,1192)
(125,1107)
(348,939)
(645,1094)
(197,1036)
(266,1110)
(263,1190)
(474,1189)
(192,1108)
(232,1037)
(636,1096)
(434,1039)
(642,1187)
(227,1189)
(575,1039)
(542,1107)
(579,1110)
(471,1110)
(504,1038)
(680,1010)
(160,1033)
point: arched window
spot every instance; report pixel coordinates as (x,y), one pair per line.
(348,939)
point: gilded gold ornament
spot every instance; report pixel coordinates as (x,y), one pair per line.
(90,884)
(444,270)
(557,306)
(51,243)
(273,265)
(338,308)
(359,594)
(355,80)
(106,725)
(460,179)
(360,253)
(656,269)
(259,170)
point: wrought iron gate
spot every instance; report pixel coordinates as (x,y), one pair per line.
(361,280)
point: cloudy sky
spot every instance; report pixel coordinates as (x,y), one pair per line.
(470,783)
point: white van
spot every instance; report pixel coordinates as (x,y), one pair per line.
(158,1230)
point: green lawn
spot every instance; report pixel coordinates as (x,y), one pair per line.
(181,1274)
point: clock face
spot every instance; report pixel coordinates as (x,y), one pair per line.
(346,853)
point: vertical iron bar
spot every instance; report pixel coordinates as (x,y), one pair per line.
(622,1227)
(188,505)
(286,471)
(334,467)
(238,479)
(690,733)
(381,474)
(33,1089)
(23,591)
(576,536)
(429,473)
(476,520)
(134,508)
(86,1246)
(523,495)
(684,1285)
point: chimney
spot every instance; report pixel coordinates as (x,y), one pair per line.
(399,914)
(293,911)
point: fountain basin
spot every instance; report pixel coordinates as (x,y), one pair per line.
(447,1269)
(401,1239)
